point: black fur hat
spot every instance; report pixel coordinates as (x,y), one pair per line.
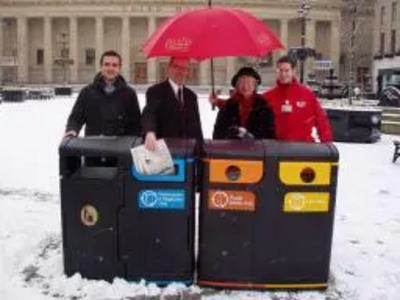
(246,71)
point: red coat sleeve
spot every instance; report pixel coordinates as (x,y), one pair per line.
(322,123)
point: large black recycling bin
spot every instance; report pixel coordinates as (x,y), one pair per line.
(14,95)
(355,124)
(119,223)
(92,195)
(157,222)
(63,91)
(267,211)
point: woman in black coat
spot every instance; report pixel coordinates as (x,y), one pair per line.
(246,114)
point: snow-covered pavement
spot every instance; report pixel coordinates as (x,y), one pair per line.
(366,247)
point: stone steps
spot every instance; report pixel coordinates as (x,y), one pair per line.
(390,110)
(391,128)
(391,117)
(391,120)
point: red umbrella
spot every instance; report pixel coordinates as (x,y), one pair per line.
(212,32)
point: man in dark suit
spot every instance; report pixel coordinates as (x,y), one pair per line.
(171,110)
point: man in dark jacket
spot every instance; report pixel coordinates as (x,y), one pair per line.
(245,114)
(171,110)
(108,106)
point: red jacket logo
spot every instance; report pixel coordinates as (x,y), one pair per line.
(301,104)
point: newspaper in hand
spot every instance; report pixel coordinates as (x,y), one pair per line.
(153,162)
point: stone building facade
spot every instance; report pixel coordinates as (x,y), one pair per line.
(36,35)
(386,66)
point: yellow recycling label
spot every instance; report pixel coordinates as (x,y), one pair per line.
(306,202)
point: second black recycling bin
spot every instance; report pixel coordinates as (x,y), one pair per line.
(266,218)
(157,222)
(119,223)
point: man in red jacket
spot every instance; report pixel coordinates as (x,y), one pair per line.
(297,111)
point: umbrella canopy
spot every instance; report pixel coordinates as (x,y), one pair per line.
(212,32)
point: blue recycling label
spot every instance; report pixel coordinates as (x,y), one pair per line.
(162,199)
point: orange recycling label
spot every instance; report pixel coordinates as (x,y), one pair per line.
(231,200)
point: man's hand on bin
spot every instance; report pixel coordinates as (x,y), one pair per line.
(150,141)
(239,132)
(243,133)
(71,133)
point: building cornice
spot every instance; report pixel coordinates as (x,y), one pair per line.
(264,9)
(326,4)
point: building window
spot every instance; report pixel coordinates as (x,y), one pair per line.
(393,41)
(162,70)
(90,56)
(362,74)
(65,53)
(193,74)
(39,57)
(382,16)
(382,44)
(141,75)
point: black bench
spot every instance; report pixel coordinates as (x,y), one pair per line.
(396,154)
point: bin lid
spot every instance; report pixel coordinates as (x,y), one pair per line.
(94,146)
(351,108)
(227,149)
(181,148)
(301,151)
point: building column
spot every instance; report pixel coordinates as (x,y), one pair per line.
(311,31)
(397,28)
(126,47)
(48,50)
(284,35)
(99,41)
(335,45)
(230,69)
(152,62)
(22,50)
(73,49)
(205,72)
(1,49)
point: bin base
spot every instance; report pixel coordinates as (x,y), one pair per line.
(262,286)
(164,283)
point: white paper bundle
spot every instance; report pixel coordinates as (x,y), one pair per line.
(153,162)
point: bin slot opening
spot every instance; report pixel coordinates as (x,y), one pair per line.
(362,120)
(172,171)
(96,173)
(233,173)
(307,175)
(89,166)
(173,174)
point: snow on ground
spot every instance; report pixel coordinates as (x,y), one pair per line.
(366,247)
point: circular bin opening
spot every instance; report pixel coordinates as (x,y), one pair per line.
(307,175)
(233,173)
